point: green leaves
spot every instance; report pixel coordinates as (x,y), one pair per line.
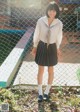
(6,96)
(26,100)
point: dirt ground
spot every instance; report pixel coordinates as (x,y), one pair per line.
(70,47)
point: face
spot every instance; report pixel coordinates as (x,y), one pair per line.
(52,13)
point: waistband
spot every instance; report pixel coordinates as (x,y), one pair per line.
(46,43)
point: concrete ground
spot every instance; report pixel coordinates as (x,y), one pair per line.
(64,73)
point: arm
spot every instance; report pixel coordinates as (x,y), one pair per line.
(35,39)
(60,35)
(36,35)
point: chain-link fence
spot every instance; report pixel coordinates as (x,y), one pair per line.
(17,17)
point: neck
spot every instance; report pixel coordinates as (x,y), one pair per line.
(50,20)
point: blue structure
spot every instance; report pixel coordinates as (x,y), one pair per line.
(70,1)
(12,31)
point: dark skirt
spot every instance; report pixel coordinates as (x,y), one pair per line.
(46,56)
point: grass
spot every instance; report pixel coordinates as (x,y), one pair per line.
(62,99)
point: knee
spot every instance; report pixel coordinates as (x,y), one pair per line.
(50,70)
(41,70)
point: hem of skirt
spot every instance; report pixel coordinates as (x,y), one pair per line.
(45,64)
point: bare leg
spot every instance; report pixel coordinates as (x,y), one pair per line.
(40,74)
(50,79)
(50,74)
(40,79)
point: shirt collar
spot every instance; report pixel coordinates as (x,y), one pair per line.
(55,21)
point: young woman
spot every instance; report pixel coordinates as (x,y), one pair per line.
(46,42)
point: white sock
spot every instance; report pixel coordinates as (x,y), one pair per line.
(40,89)
(47,89)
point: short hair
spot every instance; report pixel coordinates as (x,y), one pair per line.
(53,6)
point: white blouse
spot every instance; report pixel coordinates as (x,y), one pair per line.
(41,30)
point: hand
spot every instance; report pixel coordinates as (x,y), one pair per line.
(59,52)
(33,52)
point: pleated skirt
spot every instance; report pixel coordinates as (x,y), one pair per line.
(46,56)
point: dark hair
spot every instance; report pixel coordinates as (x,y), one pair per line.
(53,6)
